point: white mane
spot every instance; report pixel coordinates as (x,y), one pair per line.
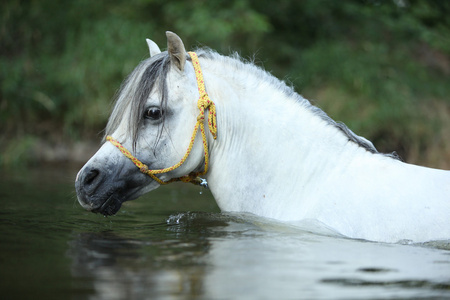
(243,68)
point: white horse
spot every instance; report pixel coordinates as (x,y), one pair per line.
(275,154)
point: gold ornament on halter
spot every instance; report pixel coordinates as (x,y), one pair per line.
(204,103)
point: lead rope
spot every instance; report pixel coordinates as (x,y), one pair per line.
(204,103)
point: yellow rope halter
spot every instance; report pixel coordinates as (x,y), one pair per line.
(204,103)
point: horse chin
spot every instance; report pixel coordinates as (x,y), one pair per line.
(110,207)
(114,201)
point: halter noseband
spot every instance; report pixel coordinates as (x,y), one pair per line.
(204,103)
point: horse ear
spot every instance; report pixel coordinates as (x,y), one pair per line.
(176,50)
(152,47)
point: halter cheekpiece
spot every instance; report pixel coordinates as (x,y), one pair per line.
(204,103)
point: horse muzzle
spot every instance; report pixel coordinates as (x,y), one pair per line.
(103,185)
(97,193)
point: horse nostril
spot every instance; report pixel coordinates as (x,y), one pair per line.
(90,176)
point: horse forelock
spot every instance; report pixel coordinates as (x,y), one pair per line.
(150,75)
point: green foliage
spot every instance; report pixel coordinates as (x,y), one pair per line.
(374,64)
(18,152)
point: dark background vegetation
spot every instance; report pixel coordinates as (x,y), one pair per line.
(381,67)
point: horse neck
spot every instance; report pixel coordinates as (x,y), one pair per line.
(269,141)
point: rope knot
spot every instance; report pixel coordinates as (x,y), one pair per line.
(203,104)
(144,169)
(201,117)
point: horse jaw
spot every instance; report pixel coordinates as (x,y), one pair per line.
(153,47)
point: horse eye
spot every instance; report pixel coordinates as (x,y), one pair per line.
(153,113)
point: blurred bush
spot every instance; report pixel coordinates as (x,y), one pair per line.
(382,67)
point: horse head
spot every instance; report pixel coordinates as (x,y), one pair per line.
(152,120)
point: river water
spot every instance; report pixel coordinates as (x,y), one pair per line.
(175,244)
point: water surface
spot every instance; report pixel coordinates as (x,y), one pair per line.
(175,244)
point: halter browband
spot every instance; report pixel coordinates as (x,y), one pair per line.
(204,103)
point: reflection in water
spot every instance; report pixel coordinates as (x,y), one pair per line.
(115,267)
(218,256)
(118,268)
(277,266)
(99,264)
